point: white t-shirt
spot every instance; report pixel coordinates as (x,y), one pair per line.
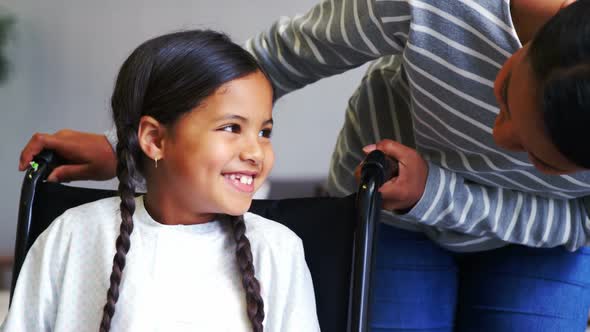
(176,278)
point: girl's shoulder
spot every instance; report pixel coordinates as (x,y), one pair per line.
(98,210)
(266,232)
(85,218)
(105,204)
(83,226)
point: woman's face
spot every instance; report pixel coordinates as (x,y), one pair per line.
(520,125)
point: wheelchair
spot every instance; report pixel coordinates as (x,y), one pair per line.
(337,233)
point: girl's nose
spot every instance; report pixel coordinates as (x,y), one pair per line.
(252,152)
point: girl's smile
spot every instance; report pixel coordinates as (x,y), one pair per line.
(242,181)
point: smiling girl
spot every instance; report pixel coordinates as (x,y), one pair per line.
(193,113)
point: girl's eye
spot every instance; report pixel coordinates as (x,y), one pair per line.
(234,128)
(265,133)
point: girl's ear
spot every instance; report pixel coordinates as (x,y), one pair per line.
(151,134)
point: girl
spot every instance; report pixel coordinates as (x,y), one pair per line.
(193,117)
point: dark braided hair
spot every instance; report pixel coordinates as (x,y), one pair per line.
(125,168)
(164,78)
(251,285)
(560,58)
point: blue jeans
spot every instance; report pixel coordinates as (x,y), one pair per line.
(419,286)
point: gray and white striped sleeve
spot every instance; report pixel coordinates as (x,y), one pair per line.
(333,37)
(507,215)
(111,136)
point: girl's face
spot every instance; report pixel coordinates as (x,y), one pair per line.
(520,125)
(216,156)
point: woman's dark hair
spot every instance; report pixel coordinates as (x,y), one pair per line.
(164,78)
(560,58)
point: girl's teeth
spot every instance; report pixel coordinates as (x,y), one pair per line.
(246,180)
(241,178)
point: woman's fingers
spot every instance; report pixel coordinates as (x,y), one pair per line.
(87,156)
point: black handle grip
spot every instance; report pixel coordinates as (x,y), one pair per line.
(375,170)
(378,165)
(46,156)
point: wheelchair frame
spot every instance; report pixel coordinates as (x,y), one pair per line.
(376,169)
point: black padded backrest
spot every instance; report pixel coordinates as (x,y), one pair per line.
(325,226)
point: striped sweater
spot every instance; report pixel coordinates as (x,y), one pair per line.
(431,87)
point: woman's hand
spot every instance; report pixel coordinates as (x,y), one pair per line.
(402,192)
(88,156)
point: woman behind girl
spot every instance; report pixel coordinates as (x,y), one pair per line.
(193,113)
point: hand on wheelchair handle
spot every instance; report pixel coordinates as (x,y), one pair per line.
(86,156)
(401,192)
(376,163)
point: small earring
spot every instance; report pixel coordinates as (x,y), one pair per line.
(156,160)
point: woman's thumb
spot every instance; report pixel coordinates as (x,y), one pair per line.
(369,148)
(393,149)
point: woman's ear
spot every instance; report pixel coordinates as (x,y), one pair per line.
(151,135)
(566,3)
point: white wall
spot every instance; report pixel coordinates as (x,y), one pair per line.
(65,54)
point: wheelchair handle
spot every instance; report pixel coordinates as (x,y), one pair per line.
(42,165)
(379,166)
(376,169)
(47,156)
